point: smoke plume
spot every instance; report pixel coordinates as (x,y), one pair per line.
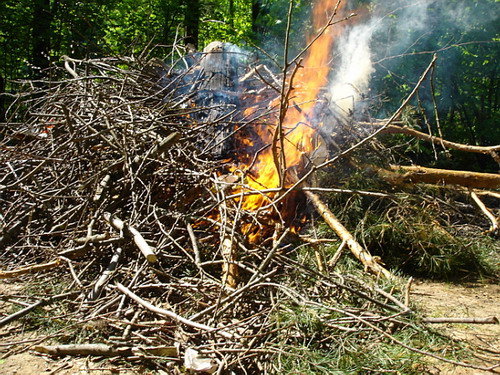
(354,67)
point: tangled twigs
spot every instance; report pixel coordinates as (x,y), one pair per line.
(111,158)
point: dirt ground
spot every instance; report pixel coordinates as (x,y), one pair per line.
(436,299)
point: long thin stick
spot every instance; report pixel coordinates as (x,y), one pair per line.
(171,314)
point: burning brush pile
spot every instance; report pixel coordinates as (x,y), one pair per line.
(160,210)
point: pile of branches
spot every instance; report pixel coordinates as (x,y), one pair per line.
(108,198)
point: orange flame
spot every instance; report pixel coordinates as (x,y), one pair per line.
(299,135)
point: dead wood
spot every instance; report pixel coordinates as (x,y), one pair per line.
(359,252)
(399,129)
(30,269)
(105,350)
(399,175)
(44,302)
(138,239)
(117,145)
(172,315)
(494,221)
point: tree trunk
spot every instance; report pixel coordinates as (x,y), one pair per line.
(231,13)
(192,22)
(2,99)
(42,18)
(255,15)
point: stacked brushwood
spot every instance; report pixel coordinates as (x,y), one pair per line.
(111,190)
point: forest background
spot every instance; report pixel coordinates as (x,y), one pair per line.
(464,34)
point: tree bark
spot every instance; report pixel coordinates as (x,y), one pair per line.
(2,99)
(255,15)
(399,175)
(41,30)
(192,22)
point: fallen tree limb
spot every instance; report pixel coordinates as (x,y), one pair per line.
(359,252)
(486,212)
(397,129)
(487,320)
(30,269)
(399,175)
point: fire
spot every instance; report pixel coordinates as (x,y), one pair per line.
(299,133)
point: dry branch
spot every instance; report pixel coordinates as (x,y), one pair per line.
(172,315)
(486,211)
(397,129)
(44,302)
(487,320)
(138,239)
(399,175)
(30,269)
(105,350)
(359,252)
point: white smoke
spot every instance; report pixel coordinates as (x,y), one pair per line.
(352,76)
(353,71)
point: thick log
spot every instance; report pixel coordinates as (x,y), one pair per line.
(399,175)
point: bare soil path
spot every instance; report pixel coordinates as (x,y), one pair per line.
(438,299)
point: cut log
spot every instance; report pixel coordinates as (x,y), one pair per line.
(399,175)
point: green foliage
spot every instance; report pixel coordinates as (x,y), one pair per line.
(102,28)
(222,22)
(464,34)
(412,231)
(309,346)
